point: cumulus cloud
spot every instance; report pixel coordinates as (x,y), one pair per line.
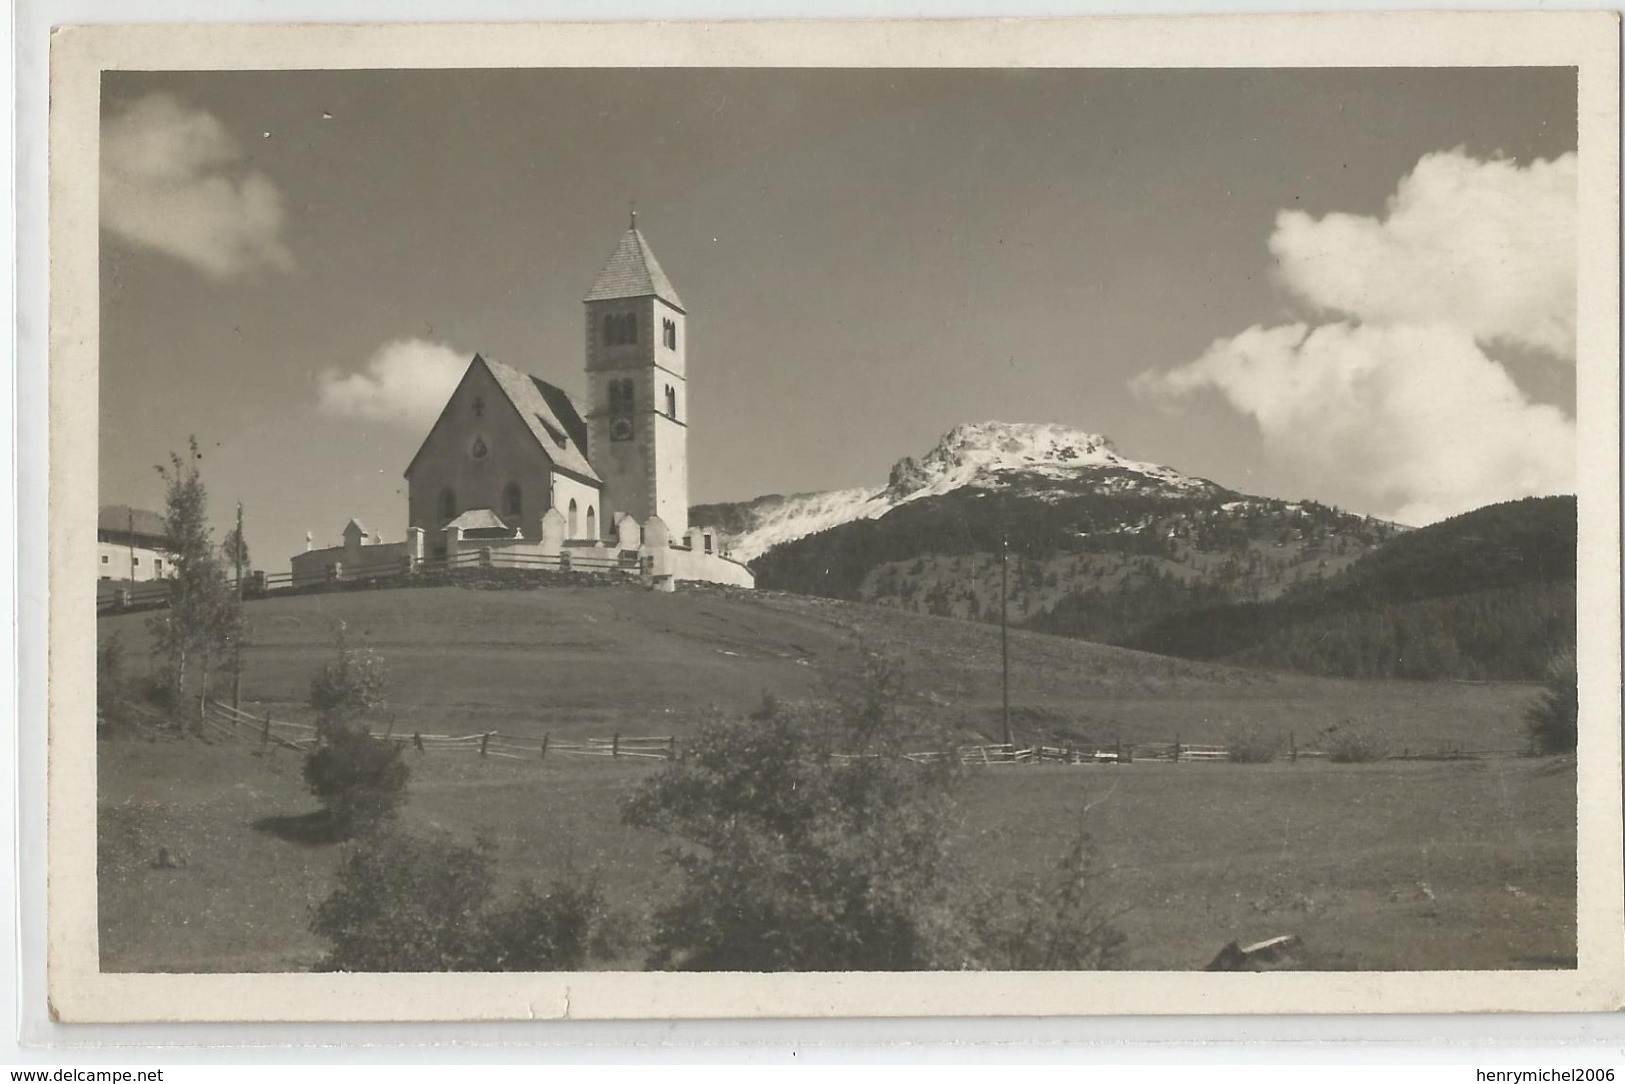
(1415,416)
(1485,246)
(1399,401)
(173,179)
(405,382)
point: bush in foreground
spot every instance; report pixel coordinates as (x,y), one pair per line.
(806,841)
(360,779)
(415,903)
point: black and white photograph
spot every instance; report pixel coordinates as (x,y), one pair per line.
(734,518)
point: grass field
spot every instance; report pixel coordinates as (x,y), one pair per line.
(1390,866)
(1463,864)
(592,660)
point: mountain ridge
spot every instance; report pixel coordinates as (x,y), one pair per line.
(990,455)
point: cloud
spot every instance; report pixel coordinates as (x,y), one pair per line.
(173,179)
(1485,246)
(1415,417)
(1399,401)
(405,382)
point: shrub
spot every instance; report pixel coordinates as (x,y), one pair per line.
(406,903)
(413,903)
(352,686)
(1254,745)
(1553,722)
(1352,743)
(805,841)
(360,779)
(1050,922)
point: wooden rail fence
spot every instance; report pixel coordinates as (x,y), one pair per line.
(225,722)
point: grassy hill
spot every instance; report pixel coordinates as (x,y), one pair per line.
(597,660)
(1396,865)
(1487,594)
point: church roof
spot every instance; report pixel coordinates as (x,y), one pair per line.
(548,412)
(633,271)
(550,416)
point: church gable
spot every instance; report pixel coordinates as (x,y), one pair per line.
(489,398)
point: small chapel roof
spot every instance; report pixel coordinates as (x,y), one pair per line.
(480,519)
(633,271)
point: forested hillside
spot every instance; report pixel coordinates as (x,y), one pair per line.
(1486,595)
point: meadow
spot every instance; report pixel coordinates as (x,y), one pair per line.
(1391,865)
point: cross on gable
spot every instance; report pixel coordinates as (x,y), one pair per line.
(479,406)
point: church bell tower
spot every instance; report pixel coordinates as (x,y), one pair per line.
(637,419)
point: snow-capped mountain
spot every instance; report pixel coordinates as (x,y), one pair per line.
(1045,461)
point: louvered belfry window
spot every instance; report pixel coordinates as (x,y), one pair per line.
(620,329)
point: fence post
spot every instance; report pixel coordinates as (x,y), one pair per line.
(1292,741)
(265,734)
(545,736)
(1119,751)
(484,739)
(1176,748)
(672,752)
(615,746)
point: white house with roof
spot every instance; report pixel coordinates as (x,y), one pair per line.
(130,544)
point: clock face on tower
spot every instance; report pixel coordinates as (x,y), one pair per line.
(620,428)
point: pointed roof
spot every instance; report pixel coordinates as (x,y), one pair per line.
(357,526)
(548,412)
(633,271)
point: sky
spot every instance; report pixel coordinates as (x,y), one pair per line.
(1350,285)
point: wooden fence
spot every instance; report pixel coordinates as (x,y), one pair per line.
(221,721)
(155,594)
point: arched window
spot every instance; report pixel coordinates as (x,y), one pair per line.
(671,402)
(592,522)
(620,396)
(668,330)
(448,506)
(573,524)
(620,329)
(512,500)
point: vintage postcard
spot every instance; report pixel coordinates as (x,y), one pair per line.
(987,518)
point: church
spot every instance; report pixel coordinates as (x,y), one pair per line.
(516,468)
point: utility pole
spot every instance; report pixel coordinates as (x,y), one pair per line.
(237,641)
(1004,624)
(131,539)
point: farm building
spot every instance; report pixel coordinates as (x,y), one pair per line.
(515,465)
(130,544)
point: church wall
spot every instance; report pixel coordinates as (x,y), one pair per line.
(671,473)
(377,558)
(693,565)
(565,490)
(479,482)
